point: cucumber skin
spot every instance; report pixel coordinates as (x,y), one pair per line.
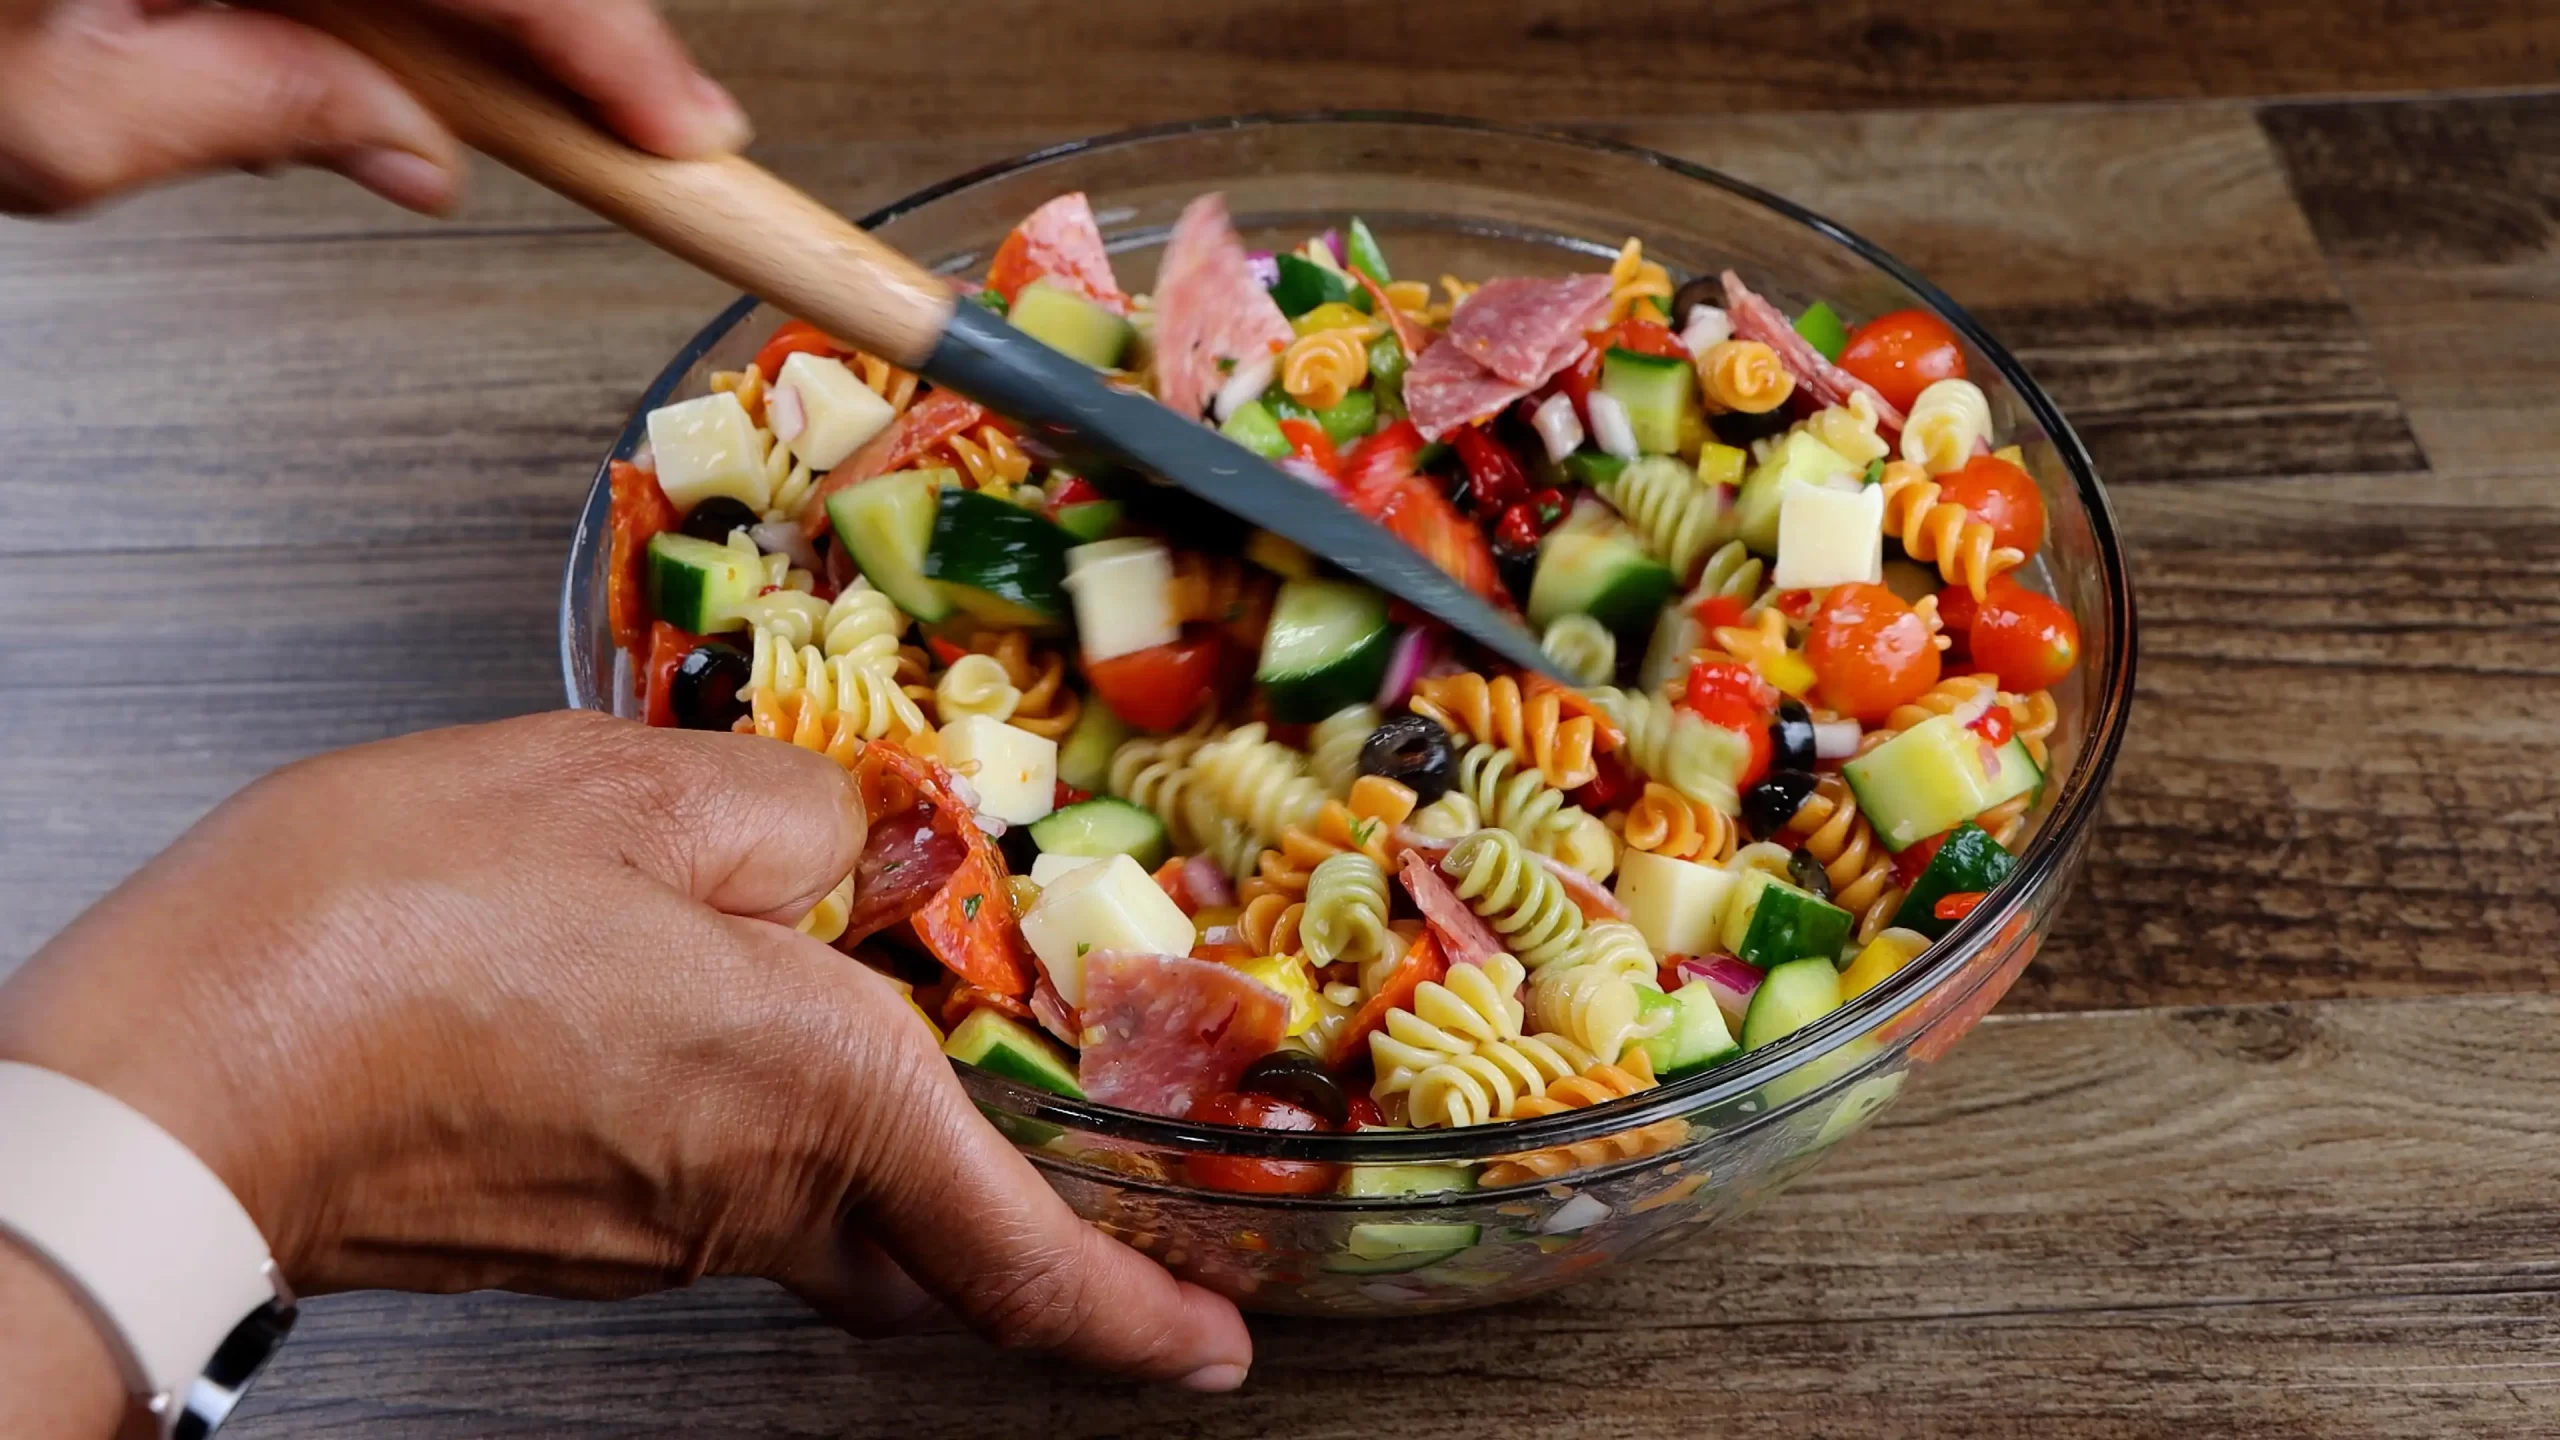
(1808,927)
(1311,695)
(1000,549)
(1775,1006)
(1090,520)
(1637,380)
(683,594)
(1977,863)
(911,591)
(1303,285)
(1003,1046)
(1076,830)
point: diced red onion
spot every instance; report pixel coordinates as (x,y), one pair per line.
(1558,426)
(1707,325)
(1610,426)
(1245,384)
(1333,241)
(1579,1213)
(1265,267)
(1413,650)
(1835,739)
(1990,761)
(1208,885)
(1730,980)
(784,414)
(1222,935)
(993,826)
(783,537)
(964,792)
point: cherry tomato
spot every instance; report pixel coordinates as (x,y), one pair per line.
(1308,442)
(1160,687)
(1494,477)
(1419,515)
(795,337)
(1645,337)
(1550,506)
(1257,1177)
(2024,638)
(667,647)
(2002,495)
(944,650)
(1365,1114)
(1066,795)
(1066,490)
(1913,858)
(1518,527)
(1611,786)
(1958,905)
(1902,353)
(1869,651)
(1751,722)
(1716,611)
(1379,465)
(1994,726)
(1733,678)
(1424,960)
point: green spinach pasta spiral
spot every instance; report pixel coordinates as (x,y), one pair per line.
(1515,894)
(1678,518)
(1508,796)
(1583,648)
(1732,571)
(1674,746)
(1346,917)
(1333,747)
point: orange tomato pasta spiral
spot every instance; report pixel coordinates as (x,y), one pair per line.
(1666,822)
(1269,923)
(794,721)
(1286,866)
(1945,533)
(1318,369)
(1597,1085)
(1944,698)
(1049,706)
(1860,870)
(993,462)
(885,380)
(2006,822)
(1745,375)
(2033,717)
(1223,591)
(1637,285)
(1496,712)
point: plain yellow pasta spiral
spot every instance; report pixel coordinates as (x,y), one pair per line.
(1490,1081)
(1733,570)
(1517,896)
(975,685)
(1493,786)
(1671,744)
(1962,546)
(858,620)
(1346,917)
(1745,375)
(1949,421)
(1154,773)
(863,689)
(1259,783)
(827,919)
(1841,839)
(1851,429)
(1678,518)
(1665,822)
(1590,1005)
(1049,706)
(1529,723)
(1318,369)
(1583,648)
(1638,288)
(1473,1004)
(1221,590)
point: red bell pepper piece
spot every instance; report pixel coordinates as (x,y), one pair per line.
(639,512)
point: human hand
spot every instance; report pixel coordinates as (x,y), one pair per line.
(520,1006)
(101,96)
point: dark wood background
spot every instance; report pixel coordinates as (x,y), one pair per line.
(2264,1143)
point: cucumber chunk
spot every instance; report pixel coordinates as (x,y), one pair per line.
(1594,467)
(1933,777)
(886,525)
(699,586)
(1100,828)
(1001,1045)
(1387,1182)
(1360,248)
(1090,520)
(1601,572)
(1696,1035)
(1326,648)
(1790,997)
(1253,426)
(1769,922)
(1968,861)
(1656,390)
(1071,324)
(1084,759)
(1003,564)
(1379,1248)
(1303,285)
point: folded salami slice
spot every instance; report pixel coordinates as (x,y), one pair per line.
(1756,319)
(1588,895)
(1524,329)
(906,858)
(1163,1032)
(1211,313)
(1059,243)
(1445,390)
(1464,937)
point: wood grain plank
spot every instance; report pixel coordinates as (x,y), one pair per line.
(2099,1225)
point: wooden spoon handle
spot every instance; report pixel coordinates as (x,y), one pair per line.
(728,216)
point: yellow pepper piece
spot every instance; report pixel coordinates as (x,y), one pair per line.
(2012,454)
(1331,315)
(1281,556)
(1291,976)
(1721,465)
(1877,963)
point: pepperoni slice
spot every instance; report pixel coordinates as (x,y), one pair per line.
(1822,381)
(1163,1032)
(926,424)
(1525,330)
(1059,243)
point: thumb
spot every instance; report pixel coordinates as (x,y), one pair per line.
(106,105)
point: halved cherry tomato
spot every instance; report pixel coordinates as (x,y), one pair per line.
(1549,504)
(1162,686)
(1419,515)
(1257,1177)
(1613,784)
(1494,477)
(944,650)
(1423,961)
(1955,618)
(639,512)
(1168,878)
(1645,337)
(1066,490)
(796,337)
(1913,858)
(1065,795)
(1308,442)
(1365,1114)
(1958,905)
(1869,651)
(2001,495)
(2027,640)
(1715,611)
(1902,353)
(1734,678)
(1994,726)
(667,648)
(1377,466)
(1518,526)
(1747,719)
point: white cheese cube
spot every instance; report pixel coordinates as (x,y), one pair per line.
(1114,905)
(1674,904)
(1048,869)
(839,413)
(1123,592)
(708,447)
(1014,771)
(1829,537)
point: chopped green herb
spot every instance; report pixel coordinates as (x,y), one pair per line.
(1081,947)
(1362,831)
(992,300)
(969,907)
(1875,472)
(1226,364)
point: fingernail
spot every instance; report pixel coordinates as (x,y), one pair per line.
(725,125)
(1214,1379)
(400,177)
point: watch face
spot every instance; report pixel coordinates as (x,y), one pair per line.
(242,1355)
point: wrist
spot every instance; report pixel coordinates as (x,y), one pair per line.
(57,1372)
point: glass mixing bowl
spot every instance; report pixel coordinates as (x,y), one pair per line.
(1614,1181)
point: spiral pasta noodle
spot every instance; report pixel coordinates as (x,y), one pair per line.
(863,689)
(778,574)
(1674,746)
(1678,518)
(1931,530)
(1841,839)
(990,458)
(1333,747)
(826,920)
(1469,1006)
(1590,1005)
(1954,693)
(975,685)
(794,722)
(2005,822)
(1154,774)
(1221,590)
(1321,367)
(1528,723)
(1665,822)
(1637,285)
(1259,783)
(1762,644)
(1525,904)
(1049,706)
(1272,924)
(1596,1085)
(858,619)
(1457,290)
(1490,1081)
(1346,916)
(1619,948)
(1501,794)
(1851,428)
(1288,864)
(2032,717)
(1583,648)
(1949,421)
(1744,375)
(1733,570)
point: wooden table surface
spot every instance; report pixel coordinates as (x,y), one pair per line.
(2267,1142)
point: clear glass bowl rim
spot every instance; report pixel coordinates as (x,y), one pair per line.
(2073,812)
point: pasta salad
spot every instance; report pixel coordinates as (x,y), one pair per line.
(1168,817)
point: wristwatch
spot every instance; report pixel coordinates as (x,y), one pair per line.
(158,1249)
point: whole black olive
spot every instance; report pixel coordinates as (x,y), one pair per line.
(1791,737)
(1518,567)
(1299,1080)
(1808,874)
(1018,848)
(1415,751)
(714,518)
(1705,290)
(706,685)
(1739,428)
(1769,805)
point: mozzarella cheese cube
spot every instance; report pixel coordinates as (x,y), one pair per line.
(1829,537)
(1674,904)
(839,412)
(1048,869)
(708,447)
(1114,905)
(1014,771)
(1123,593)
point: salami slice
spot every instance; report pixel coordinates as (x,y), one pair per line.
(1524,329)
(1162,1032)
(1445,389)
(1054,1013)
(1210,311)
(1059,243)
(1588,895)
(1464,937)
(926,424)
(1825,383)
(904,861)
(967,922)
